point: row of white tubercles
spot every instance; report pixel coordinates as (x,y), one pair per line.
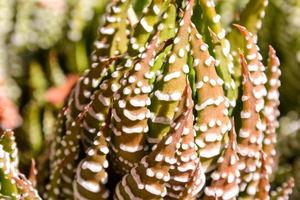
(9,166)
(25,188)
(64,164)
(171,87)
(258,25)
(264,183)
(102,101)
(258,78)
(142,86)
(255,67)
(260,14)
(152,172)
(120,163)
(269,143)
(226,55)
(103,95)
(225,179)
(9,138)
(56,156)
(72,152)
(182,171)
(108,34)
(91,175)
(187,159)
(273,84)
(212,120)
(250,136)
(59,131)
(271,111)
(97,113)
(144,89)
(196,183)
(130,113)
(85,87)
(147,22)
(6,167)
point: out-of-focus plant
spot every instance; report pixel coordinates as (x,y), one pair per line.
(281,28)
(289,148)
(8,88)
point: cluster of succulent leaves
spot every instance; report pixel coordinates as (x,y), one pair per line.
(151,118)
(281,29)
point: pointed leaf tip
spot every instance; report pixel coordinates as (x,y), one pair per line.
(244,64)
(241,28)
(232,134)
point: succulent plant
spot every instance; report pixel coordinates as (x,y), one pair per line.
(151,117)
(178,102)
(14,185)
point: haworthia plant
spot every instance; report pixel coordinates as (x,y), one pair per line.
(157,124)
(150,118)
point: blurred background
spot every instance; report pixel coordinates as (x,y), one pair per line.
(45,45)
